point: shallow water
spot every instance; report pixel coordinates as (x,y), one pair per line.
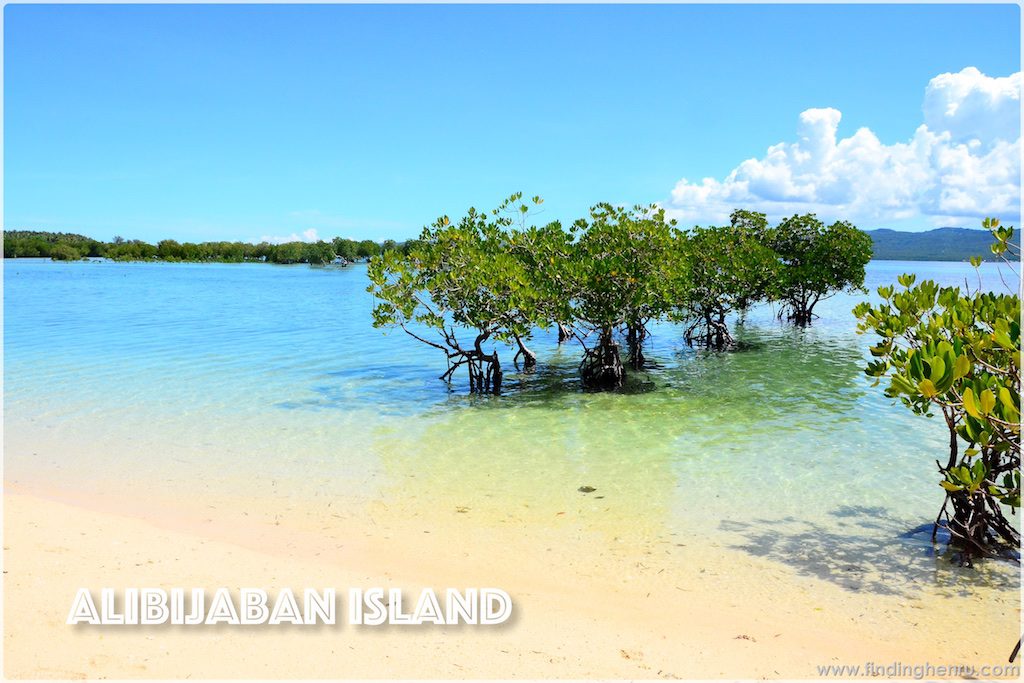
(269,381)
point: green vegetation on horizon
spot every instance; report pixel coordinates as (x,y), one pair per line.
(62,246)
(940,244)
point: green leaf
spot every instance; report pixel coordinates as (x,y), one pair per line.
(978,471)
(961,366)
(1010,410)
(1003,339)
(987,401)
(969,403)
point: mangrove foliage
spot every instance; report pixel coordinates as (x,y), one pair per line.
(491,278)
(956,353)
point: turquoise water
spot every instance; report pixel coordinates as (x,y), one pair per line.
(262,380)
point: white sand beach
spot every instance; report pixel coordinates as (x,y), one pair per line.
(582,609)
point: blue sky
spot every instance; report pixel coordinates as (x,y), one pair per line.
(238,122)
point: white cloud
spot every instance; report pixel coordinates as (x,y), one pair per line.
(306,236)
(971,105)
(961,164)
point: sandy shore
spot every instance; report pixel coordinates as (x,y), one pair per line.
(584,608)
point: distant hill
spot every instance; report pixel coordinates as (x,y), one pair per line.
(941,244)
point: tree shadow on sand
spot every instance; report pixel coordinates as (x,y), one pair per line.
(867,549)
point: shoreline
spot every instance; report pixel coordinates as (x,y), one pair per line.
(362,262)
(582,607)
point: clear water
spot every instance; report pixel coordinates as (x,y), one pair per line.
(259,380)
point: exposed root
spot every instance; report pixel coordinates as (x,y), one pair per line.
(710,332)
(601,367)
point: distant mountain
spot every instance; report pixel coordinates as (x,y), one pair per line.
(941,244)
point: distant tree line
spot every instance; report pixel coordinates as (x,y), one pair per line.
(62,246)
(490,277)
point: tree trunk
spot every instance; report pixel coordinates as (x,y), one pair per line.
(718,337)
(601,367)
(977,527)
(529,357)
(496,374)
(636,333)
(564,333)
(802,310)
(484,369)
(711,331)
